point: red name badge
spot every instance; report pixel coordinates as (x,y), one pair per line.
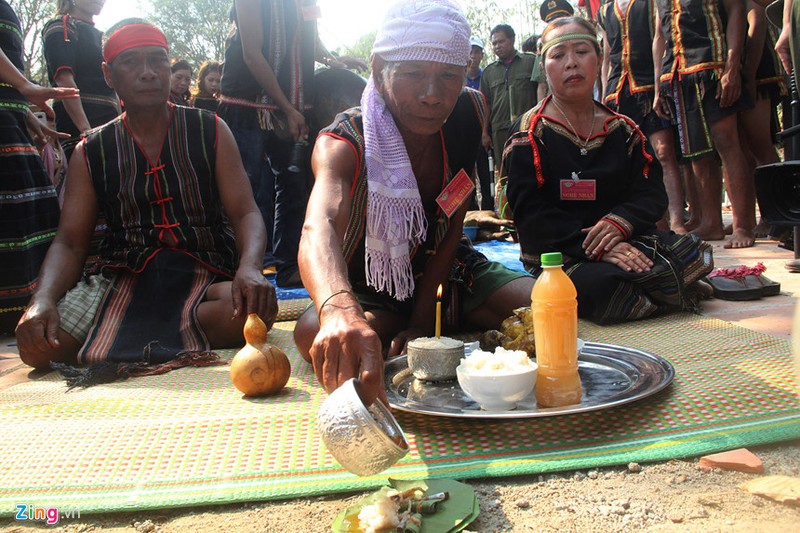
(578,189)
(455,193)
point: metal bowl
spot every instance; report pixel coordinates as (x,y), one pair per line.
(434,364)
(365,440)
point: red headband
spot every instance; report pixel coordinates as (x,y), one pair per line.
(132,36)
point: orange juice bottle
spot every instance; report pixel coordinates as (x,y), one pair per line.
(555,327)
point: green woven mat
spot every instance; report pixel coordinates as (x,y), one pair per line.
(188,437)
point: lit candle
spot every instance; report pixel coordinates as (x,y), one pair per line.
(439,311)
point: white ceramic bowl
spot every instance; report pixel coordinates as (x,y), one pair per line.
(365,440)
(499,392)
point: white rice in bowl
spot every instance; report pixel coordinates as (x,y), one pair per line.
(436,343)
(501,362)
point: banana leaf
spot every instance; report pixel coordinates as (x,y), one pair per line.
(454,514)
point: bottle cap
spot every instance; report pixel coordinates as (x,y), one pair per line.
(552,259)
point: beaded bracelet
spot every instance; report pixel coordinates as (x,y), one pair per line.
(328,299)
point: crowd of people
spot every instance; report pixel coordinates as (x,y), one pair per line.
(591,143)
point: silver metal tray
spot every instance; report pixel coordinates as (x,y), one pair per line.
(611,375)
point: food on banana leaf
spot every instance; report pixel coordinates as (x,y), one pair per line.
(400,511)
(411,506)
(516,333)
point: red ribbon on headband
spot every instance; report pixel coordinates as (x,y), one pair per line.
(132,36)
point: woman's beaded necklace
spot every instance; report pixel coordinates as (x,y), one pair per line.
(583,143)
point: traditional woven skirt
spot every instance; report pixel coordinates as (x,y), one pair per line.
(694,107)
(28,217)
(639,107)
(608,294)
(151,315)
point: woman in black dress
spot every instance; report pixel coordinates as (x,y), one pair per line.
(583,180)
(28,203)
(73,53)
(179,81)
(207,92)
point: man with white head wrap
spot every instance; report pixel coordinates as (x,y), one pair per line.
(376,244)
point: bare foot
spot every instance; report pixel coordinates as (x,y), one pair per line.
(709,234)
(678,227)
(761,231)
(692,224)
(728,229)
(740,239)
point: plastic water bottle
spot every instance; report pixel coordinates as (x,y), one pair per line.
(555,326)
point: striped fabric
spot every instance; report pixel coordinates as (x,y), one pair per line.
(290,37)
(170,203)
(139,320)
(165,228)
(695,33)
(469,112)
(11,41)
(615,295)
(460,137)
(630,37)
(73,45)
(28,204)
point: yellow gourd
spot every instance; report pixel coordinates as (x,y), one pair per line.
(259,368)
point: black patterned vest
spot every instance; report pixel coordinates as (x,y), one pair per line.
(461,134)
(630,38)
(171,203)
(695,33)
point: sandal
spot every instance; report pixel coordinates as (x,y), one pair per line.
(793,266)
(743,283)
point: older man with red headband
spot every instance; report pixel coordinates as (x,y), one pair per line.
(180,263)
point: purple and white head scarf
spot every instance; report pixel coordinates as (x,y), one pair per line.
(413,30)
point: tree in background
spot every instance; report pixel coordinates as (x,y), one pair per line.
(32,16)
(483,15)
(362,49)
(195,29)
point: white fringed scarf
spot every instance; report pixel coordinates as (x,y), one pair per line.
(432,30)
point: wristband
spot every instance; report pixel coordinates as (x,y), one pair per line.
(328,299)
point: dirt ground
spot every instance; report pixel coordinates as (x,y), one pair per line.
(672,496)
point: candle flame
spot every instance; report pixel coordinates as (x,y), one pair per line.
(439,292)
